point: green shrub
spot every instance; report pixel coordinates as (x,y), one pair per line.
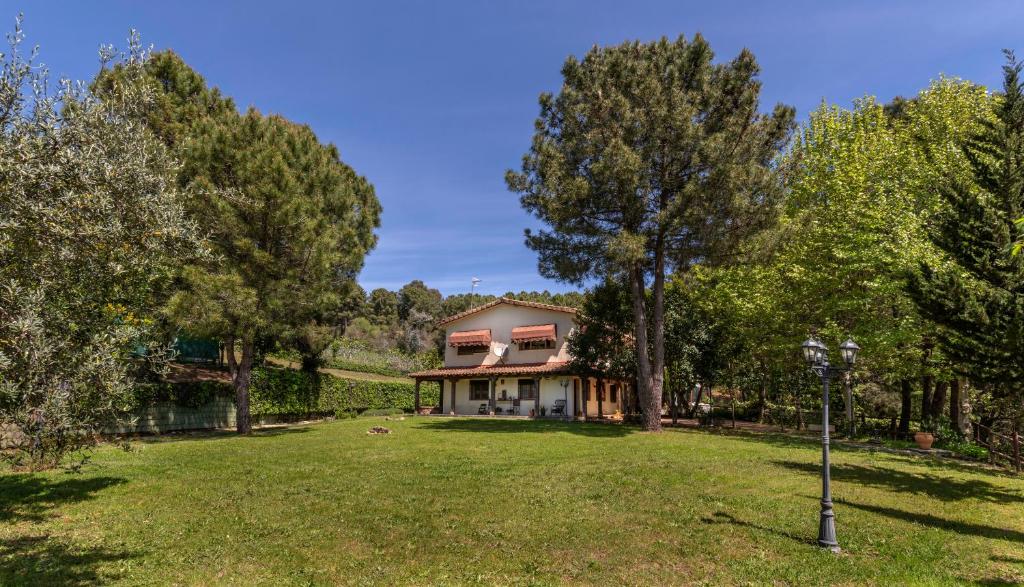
(189,394)
(279,391)
(348,365)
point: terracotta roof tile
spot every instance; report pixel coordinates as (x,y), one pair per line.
(559,367)
(510,301)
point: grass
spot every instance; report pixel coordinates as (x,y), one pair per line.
(457,501)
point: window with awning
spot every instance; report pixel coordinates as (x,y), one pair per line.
(538,336)
(470,341)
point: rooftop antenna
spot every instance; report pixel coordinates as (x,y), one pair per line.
(472,291)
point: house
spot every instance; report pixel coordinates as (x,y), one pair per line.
(510,357)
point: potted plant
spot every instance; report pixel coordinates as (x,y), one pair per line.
(924,440)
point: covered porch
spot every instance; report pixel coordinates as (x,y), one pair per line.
(538,390)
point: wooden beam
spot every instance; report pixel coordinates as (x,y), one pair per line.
(494,391)
(536,397)
(454,381)
(600,403)
(585,396)
(417,401)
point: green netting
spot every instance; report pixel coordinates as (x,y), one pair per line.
(197,350)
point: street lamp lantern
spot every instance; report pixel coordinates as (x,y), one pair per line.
(849,351)
(814,352)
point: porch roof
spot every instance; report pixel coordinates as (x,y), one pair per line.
(552,368)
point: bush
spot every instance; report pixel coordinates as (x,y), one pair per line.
(189,394)
(277,391)
(364,368)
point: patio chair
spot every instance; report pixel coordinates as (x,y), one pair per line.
(558,408)
(483,409)
(515,406)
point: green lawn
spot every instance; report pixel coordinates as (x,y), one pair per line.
(454,501)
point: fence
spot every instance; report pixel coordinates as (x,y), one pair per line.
(168,417)
(1002,450)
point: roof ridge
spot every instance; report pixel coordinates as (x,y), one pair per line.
(505,300)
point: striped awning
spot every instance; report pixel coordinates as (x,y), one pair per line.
(531,333)
(470,338)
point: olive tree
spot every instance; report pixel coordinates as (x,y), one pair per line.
(91,226)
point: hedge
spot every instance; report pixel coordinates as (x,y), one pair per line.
(189,394)
(364,368)
(279,391)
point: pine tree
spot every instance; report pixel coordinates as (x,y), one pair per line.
(652,158)
(978,298)
(289,222)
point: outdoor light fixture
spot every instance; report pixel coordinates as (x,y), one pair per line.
(816,355)
(849,351)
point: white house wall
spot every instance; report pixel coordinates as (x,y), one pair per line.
(500,320)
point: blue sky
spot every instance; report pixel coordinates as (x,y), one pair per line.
(433,101)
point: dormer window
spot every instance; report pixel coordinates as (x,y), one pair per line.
(536,337)
(470,342)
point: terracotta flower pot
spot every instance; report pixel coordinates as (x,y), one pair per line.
(924,440)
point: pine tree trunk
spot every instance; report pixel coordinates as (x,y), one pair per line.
(905,408)
(658,366)
(954,404)
(939,399)
(241,375)
(927,381)
(650,401)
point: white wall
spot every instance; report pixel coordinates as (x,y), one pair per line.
(550,390)
(501,319)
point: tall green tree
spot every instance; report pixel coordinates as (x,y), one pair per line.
(291,224)
(978,299)
(650,159)
(289,221)
(92,227)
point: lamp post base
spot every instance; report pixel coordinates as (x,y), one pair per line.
(827,528)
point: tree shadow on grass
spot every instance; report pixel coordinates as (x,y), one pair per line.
(44,560)
(177,436)
(26,497)
(40,559)
(519,426)
(936,486)
(964,528)
(726,518)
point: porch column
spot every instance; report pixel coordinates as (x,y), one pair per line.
(494,391)
(452,409)
(536,399)
(417,396)
(600,403)
(585,397)
(575,396)
(440,395)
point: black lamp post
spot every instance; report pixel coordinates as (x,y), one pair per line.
(816,355)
